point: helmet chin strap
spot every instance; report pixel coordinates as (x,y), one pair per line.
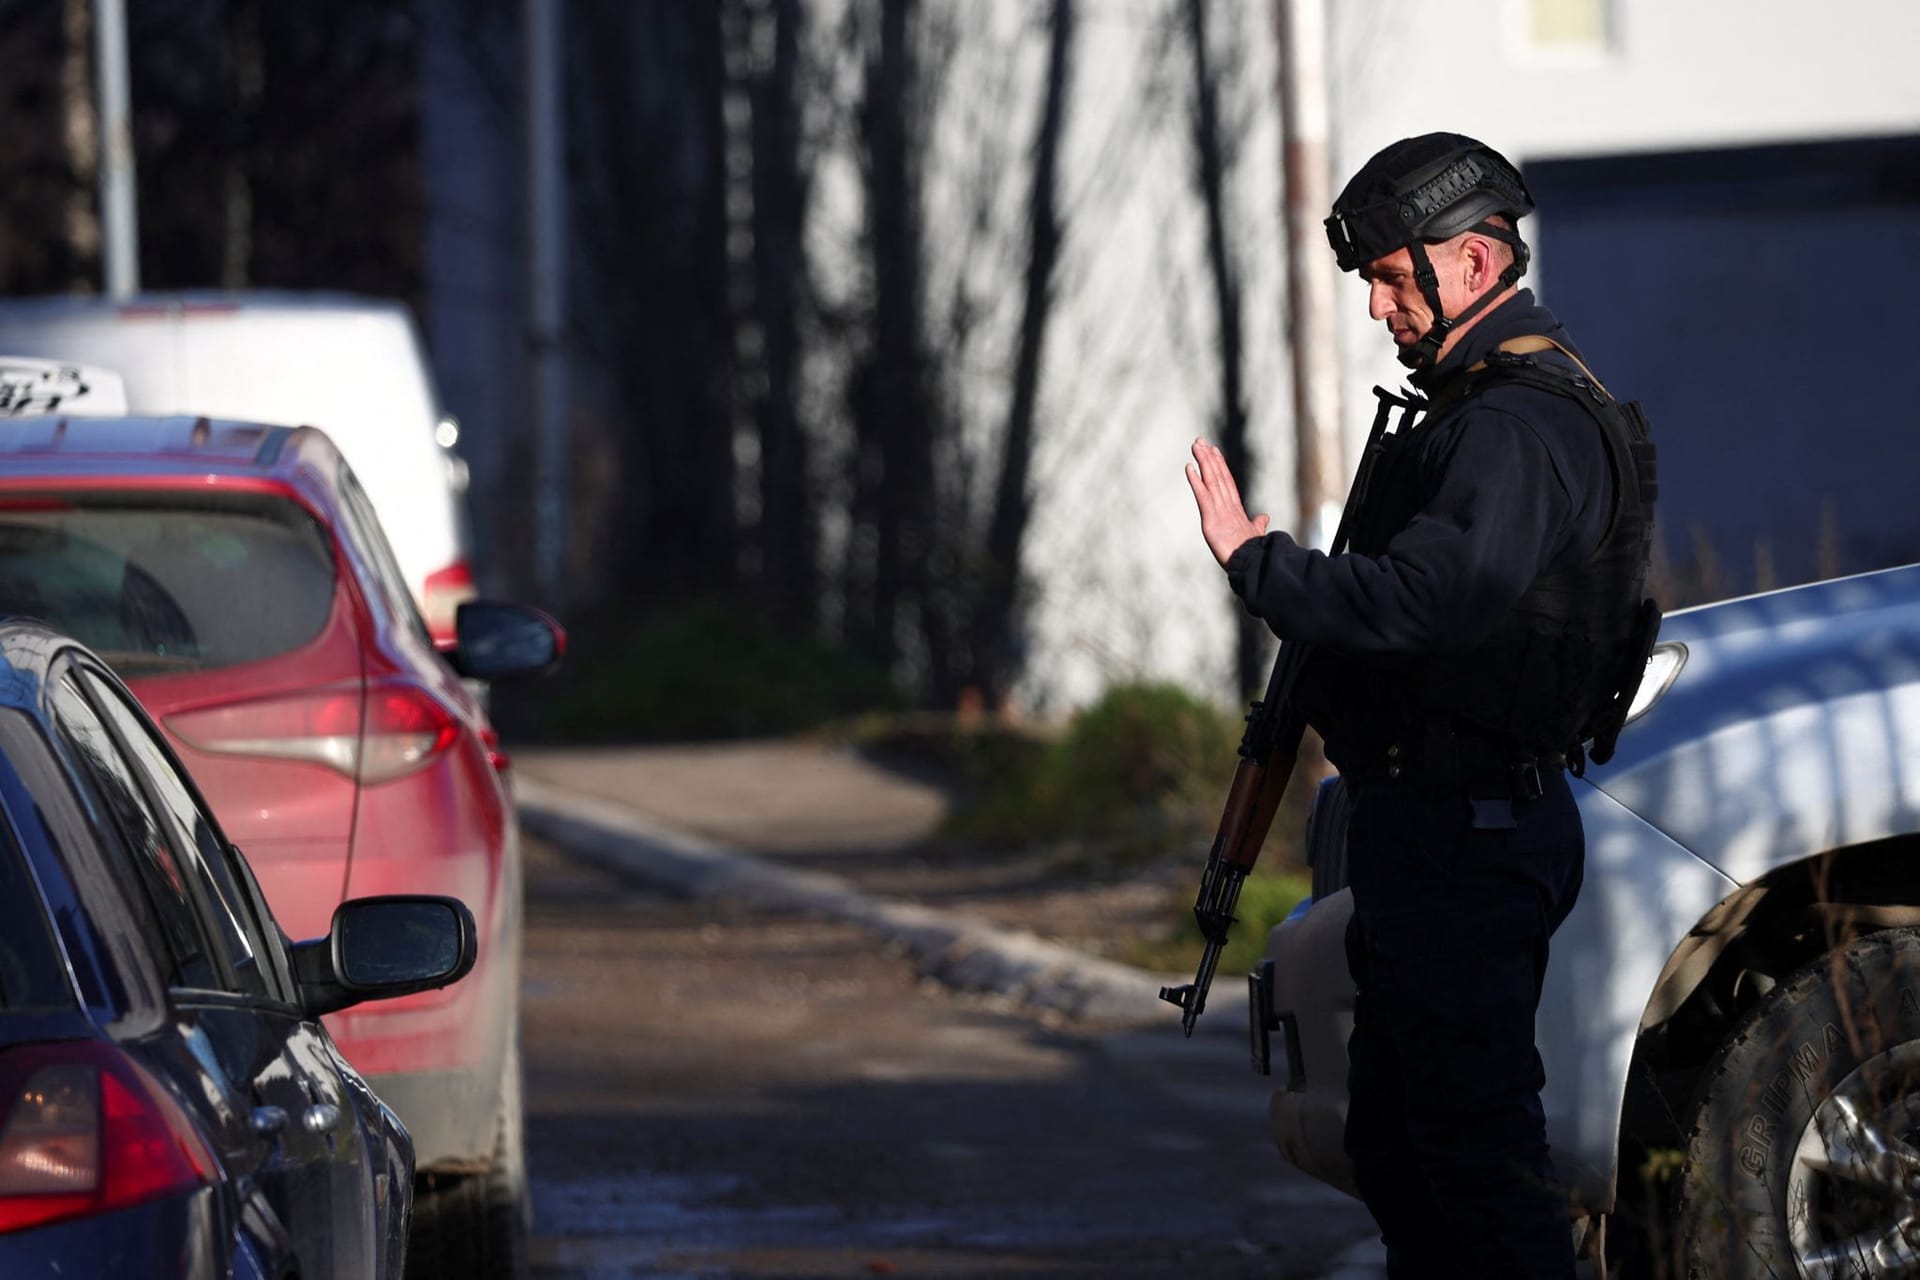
(1426,352)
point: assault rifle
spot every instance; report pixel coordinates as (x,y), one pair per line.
(1269,750)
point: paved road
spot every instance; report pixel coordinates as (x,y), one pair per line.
(718,1091)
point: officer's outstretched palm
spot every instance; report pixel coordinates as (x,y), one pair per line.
(1223,516)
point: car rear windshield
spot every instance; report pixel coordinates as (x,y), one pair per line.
(158,582)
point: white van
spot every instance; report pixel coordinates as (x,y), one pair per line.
(352,366)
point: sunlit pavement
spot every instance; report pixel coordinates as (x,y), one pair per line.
(712,832)
(620,1213)
(1147,1188)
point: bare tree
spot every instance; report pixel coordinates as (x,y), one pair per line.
(82,137)
(244,87)
(895,420)
(49,234)
(247,117)
(996,613)
(788,530)
(1212,156)
(660,319)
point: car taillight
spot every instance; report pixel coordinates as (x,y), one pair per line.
(406,729)
(446,590)
(85,1131)
(321,726)
(376,734)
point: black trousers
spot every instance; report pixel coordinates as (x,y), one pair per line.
(1448,945)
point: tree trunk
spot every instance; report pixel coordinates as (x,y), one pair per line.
(1230,426)
(708,416)
(81,133)
(658,231)
(246,74)
(893,419)
(789,526)
(996,619)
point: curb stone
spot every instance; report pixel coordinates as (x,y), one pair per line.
(964,953)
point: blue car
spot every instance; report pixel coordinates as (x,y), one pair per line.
(170,1104)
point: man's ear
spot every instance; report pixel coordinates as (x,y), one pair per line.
(1478,263)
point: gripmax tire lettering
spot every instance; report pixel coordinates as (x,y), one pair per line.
(1749,1202)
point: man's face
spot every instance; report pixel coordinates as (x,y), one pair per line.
(1393,295)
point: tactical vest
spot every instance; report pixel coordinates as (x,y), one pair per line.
(1559,667)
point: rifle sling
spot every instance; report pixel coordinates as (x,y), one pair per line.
(1532,344)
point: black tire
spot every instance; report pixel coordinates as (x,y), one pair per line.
(475,1226)
(1842,1033)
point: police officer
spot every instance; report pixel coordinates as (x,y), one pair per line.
(1461,650)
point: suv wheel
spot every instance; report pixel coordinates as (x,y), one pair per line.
(1803,1158)
(475,1226)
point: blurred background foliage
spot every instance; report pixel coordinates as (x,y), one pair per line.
(823,252)
(819,253)
(706,669)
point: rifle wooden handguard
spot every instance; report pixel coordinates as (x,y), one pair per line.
(1252,800)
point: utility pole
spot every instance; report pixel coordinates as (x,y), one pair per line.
(544,48)
(121,248)
(1319,465)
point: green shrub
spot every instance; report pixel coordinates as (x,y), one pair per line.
(700,671)
(1265,900)
(975,755)
(1142,766)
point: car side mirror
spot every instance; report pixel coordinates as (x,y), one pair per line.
(384,947)
(498,641)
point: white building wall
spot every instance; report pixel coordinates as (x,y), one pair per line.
(1666,75)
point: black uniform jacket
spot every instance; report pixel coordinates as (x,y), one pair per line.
(1462,515)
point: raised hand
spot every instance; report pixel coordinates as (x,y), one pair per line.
(1223,516)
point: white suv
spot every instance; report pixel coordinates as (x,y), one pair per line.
(1731,1017)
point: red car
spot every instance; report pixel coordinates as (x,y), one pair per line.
(235,577)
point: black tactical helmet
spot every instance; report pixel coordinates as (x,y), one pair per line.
(1423,190)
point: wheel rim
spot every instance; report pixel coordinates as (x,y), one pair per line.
(1853,1194)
